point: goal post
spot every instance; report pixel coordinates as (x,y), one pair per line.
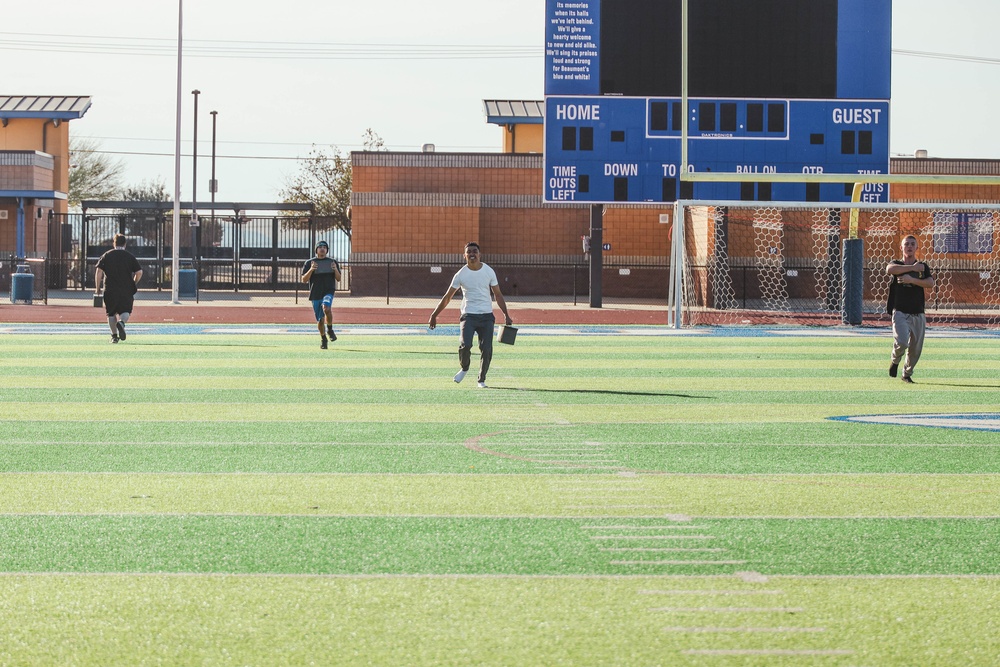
(746,263)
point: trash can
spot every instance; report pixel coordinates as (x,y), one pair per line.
(187,283)
(22,284)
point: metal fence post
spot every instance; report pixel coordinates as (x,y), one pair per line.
(84,232)
(744,288)
(274,254)
(596,254)
(574,284)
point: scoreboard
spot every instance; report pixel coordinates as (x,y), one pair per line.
(775,86)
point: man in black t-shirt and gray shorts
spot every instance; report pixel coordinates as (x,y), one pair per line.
(906,306)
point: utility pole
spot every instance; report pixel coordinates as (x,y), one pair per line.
(213,185)
(194,185)
(175,260)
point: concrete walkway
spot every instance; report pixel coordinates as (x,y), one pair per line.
(73,306)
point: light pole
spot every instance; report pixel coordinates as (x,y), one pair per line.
(174,259)
(213,185)
(194,185)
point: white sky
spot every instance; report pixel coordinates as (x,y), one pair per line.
(398,67)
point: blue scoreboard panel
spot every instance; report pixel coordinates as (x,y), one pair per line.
(775,86)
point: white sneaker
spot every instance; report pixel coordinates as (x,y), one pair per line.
(459,376)
(481,385)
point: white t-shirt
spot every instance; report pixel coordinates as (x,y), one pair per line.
(475,286)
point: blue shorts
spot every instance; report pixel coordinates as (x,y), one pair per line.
(320,304)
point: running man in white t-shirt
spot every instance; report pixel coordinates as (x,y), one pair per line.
(477,281)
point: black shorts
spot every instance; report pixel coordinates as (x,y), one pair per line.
(116,303)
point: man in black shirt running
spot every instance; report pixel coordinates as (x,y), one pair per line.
(120,272)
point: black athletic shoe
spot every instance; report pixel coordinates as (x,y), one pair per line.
(114,338)
(907,379)
(893,370)
(121,331)
(323,345)
(333,336)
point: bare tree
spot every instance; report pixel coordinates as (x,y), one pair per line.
(370,141)
(324,180)
(92,174)
(143,223)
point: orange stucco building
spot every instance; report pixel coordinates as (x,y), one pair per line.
(34,169)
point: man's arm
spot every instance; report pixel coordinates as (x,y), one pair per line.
(309,273)
(894,269)
(98,279)
(336,270)
(445,300)
(137,276)
(926,283)
(500,302)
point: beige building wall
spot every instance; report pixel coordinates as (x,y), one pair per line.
(523,138)
(34,156)
(45,136)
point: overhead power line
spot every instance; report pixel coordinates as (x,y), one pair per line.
(202,155)
(202,48)
(298,158)
(948,56)
(278,50)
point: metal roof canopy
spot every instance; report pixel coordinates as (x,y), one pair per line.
(200,206)
(33,194)
(505,112)
(61,107)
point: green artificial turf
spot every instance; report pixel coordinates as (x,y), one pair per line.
(510,621)
(105,453)
(459,494)
(493,546)
(610,500)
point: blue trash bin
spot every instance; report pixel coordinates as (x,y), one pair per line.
(187,283)
(22,284)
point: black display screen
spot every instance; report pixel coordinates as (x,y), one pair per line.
(737,48)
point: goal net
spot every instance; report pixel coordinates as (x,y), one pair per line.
(783,263)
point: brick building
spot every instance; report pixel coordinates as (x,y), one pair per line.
(411,211)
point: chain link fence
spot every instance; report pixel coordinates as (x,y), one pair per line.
(276,282)
(234,258)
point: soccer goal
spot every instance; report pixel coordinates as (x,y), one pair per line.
(746,263)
